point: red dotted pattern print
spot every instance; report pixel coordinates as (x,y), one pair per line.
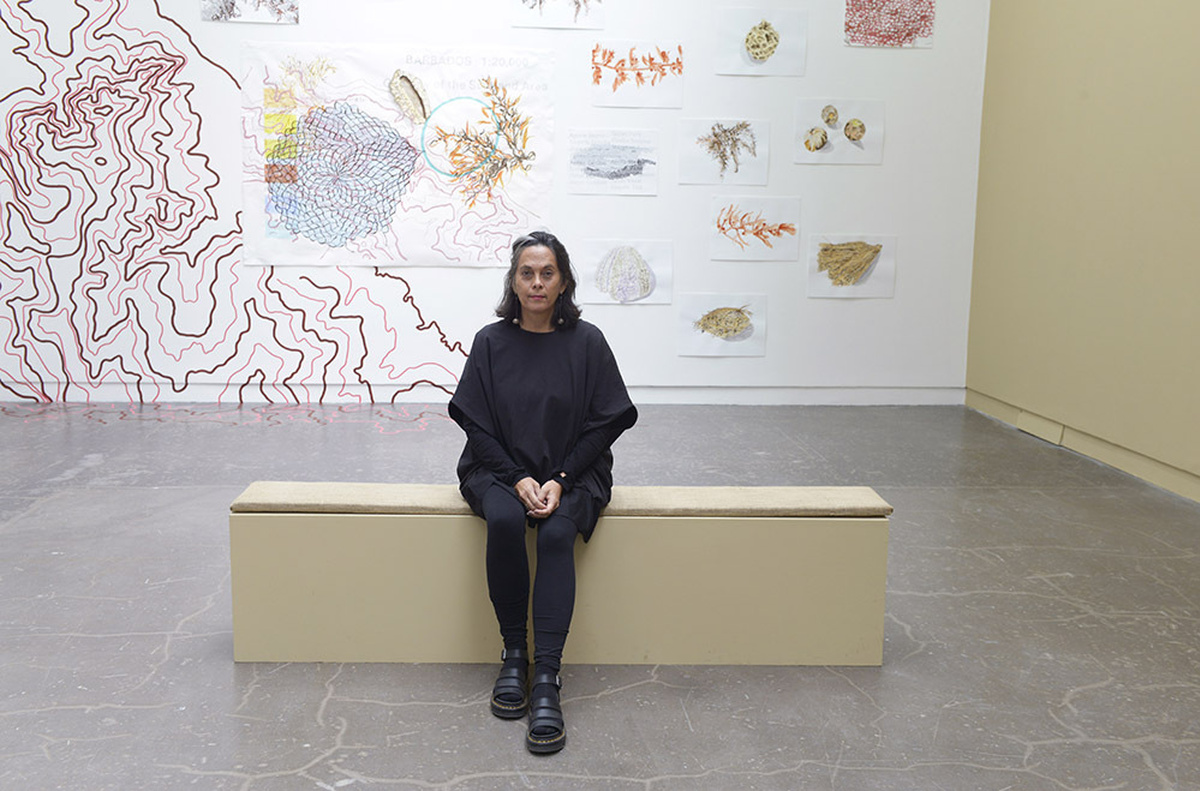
(888,23)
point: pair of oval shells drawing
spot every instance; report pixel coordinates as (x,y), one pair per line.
(624,275)
(762,41)
(816,137)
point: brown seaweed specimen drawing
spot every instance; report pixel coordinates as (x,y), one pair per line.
(725,323)
(724,142)
(481,157)
(642,70)
(740,226)
(846,263)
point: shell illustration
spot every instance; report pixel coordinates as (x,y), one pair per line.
(829,115)
(855,129)
(410,96)
(761,41)
(624,275)
(815,139)
(728,324)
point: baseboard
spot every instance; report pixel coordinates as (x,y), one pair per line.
(424,393)
(1151,470)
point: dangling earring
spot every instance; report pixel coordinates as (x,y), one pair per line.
(558,310)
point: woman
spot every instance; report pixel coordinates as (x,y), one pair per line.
(541,401)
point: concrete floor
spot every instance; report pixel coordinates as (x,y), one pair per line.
(1041,624)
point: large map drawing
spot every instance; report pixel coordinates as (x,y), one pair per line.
(121,242)
(392,156)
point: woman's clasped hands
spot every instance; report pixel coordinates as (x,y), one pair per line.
(540,500)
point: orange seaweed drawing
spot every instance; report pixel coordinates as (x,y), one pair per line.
(640,69)
(740,226)
(481,157)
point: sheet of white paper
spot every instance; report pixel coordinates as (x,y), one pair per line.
(624,271)
(788,27)
(838,147)
(754,228)
(613,161)
(743,144)
(637,74)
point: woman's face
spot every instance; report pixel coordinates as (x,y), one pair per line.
(537,283)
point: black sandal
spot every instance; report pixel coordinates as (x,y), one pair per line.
(547,732)
(510,698)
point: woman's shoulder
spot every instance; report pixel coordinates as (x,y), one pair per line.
(587,331)
(494,330)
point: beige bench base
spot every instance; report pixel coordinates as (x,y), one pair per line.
(388,587)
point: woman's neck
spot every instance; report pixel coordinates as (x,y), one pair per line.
(535,325)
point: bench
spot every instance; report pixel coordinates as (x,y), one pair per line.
(362,572)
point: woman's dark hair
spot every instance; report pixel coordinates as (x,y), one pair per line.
(566,312)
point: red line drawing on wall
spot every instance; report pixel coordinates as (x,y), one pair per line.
(120,274)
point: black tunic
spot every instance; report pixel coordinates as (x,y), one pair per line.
(539,404)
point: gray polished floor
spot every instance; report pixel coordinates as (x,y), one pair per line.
(1042,617)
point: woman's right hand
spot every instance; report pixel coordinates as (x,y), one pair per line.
(530,493)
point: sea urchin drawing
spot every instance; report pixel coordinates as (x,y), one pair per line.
(624,275)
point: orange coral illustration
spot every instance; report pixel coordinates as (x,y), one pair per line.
(741,226)
(640,69)
(481,157)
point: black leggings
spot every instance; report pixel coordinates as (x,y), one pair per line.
(508,577)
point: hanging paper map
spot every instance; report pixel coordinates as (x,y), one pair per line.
(396,156)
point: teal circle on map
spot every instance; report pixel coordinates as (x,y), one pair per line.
(451,108)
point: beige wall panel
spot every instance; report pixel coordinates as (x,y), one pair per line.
(1085,281)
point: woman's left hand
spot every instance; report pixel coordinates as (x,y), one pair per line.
(551,496)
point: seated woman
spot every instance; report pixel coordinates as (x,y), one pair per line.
(541,401)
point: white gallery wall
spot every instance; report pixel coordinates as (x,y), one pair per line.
(133,267)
